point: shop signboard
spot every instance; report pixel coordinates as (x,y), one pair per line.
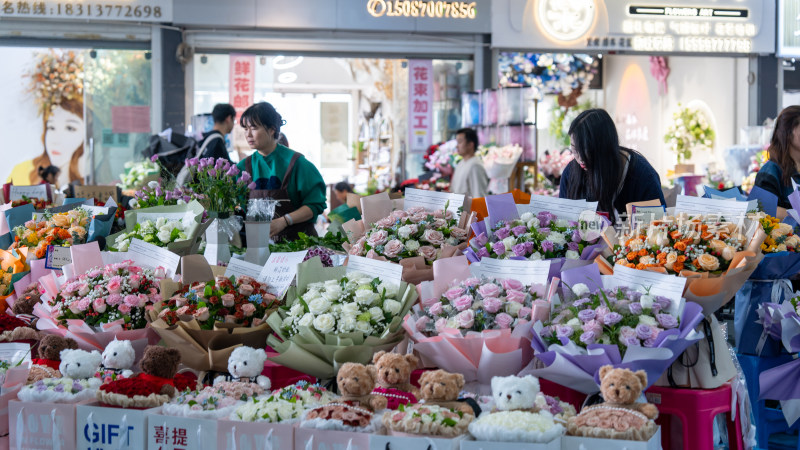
(90,10)
(788,28)
(242,81)
(420,104)
(646,26)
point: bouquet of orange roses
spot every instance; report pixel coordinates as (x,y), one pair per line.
(60,229)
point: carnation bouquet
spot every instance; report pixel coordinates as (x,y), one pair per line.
(769,283)
(59,390)
(102,304)
(212,402)
(207,320)
(715,257)
(413,238)
(499,163)
(332,317)
(427,420)
(176,227)
(618,326)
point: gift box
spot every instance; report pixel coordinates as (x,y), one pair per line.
(44,426)
(242,435)
(315,439)
(103,428)
(397,441)
(468,444)
(174,433)
(581,443)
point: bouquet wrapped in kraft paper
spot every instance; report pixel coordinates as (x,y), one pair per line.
(414,237)
(716,258)
(190,229)
(476,326)
(207,316)
(333,317)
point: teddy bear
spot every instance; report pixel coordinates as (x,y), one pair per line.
(441,388)
(46,366)
(514,393)
(394,378)
(158,382)
(620,416)
(118,359)
(246,364)
(354,409)
(24,303)
(80,365)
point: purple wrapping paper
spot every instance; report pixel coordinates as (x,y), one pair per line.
(580,366)
(501,207)
(588,275)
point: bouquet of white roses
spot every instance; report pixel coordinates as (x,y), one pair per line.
(162,232)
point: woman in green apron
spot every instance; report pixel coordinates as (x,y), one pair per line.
(281,174)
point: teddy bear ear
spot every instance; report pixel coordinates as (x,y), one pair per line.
(642,376)
(533,381)
(373,372)
(459,380)
(413,361)
(424,377)
(377,356)
(71,343)
(604,371)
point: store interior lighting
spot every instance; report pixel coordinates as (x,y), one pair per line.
(287,77)
(282,62)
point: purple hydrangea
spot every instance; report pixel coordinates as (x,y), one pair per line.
(666,321)
(586,315)
(547,246)
(499,248)
(612,318)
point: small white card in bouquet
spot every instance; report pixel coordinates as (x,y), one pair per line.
(36,191)
(563,208)
(731,210)
(386,271)
(660,284)
(238,267)
(280,270)
(96,210)
(528,272)
(186,217)
(433,200)
(153,256)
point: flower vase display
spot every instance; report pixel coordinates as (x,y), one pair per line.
(218,248)
(257,242)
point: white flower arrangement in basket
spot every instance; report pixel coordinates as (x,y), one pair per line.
(689,131)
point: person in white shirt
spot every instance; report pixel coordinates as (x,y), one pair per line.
(469,177)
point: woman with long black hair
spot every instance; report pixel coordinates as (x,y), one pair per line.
(784,159)
(604,172)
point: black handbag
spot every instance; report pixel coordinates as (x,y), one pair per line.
(172,154)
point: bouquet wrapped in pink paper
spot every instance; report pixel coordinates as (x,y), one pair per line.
(102,304)
(478,327)
(619,326)
(414,238)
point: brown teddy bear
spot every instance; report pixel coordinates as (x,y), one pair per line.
(158,382)
(441,388)
(620,417)
(394,378)
(24,304)
(356,405)
(46,365)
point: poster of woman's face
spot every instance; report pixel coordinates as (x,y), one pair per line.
(38,145)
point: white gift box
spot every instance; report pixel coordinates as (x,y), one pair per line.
(391,442)
(172,432)
(254,435)
(40,425)
(584,443)
(103,428)
(316,439)
(467,444)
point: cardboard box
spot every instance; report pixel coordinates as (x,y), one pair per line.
(329,440)
(582,443)
(390,442)
(174,433)
(468,444)
(41,425)
(254,435)
(103,428)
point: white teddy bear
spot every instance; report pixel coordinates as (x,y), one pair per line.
(515,393)
(246,364)
(118,357)
(80,365)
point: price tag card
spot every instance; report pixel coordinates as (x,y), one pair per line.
(238,267)
(730,210)
(56,257)
(149,255)
(433,200)
(528,272)
(96,210)
(386,271)
(14,351)
(143,216)
(38,191)
(563,208)
(95,191)
(280,270)
(668,286)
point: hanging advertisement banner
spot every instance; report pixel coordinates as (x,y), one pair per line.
(242,81)
(420,104)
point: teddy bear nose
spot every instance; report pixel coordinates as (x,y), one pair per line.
(508,396)
(616,391)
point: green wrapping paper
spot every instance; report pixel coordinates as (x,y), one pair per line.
(321,355)
(194,231)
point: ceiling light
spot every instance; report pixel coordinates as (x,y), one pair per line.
(282,63)
(287,77)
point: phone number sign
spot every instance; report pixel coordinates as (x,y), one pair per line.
(130,11)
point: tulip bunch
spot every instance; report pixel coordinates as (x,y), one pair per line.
(222,183)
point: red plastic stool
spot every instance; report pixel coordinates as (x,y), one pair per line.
(696,409)
(563,393)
